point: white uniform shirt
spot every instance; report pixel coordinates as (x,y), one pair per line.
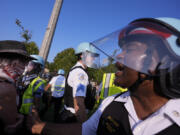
(78,80)
(161,119)
(57,86)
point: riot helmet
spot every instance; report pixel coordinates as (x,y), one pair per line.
(149,46)
(61,72)
(88,54)
(36,66)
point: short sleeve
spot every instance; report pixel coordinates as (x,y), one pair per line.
(78,80)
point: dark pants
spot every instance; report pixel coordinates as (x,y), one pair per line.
(57,106)
(48,101)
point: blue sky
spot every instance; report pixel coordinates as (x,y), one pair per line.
(79,20)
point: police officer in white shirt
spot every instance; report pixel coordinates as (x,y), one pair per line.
(148,64)
(57,85)
(147,57)
(77,81)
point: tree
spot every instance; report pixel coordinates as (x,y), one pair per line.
(32,48)
(95,74)
(26,35)
(51,66)
(65,59)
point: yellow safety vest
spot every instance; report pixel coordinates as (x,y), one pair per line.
(28,98)
(108,86)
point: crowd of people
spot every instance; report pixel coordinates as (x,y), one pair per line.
(140,98)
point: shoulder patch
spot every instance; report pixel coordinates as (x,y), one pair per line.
(81,76)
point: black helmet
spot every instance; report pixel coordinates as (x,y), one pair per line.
(14,47)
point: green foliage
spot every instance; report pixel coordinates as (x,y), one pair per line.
(97,74)
(31,47)
(50,66)
(25,34)
(109,69)
(65,60)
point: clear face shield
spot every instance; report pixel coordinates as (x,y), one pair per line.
(30,66)
(90,59)
(142,46)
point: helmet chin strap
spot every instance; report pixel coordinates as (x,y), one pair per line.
(147,62)
(140,80)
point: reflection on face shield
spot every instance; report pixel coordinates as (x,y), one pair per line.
(30,66)
(90,59)
(138,56)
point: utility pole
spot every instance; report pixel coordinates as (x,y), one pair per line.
(46,44)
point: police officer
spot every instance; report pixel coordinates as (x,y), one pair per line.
(33,85)
(57,85)
(13,59)
(76,83)
(108,86)
(148,64)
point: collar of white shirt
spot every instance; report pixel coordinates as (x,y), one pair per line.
(79,64)
(171,109)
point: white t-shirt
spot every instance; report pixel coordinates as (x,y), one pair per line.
(161,119)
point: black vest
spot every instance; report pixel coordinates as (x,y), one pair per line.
(114,121)
(68,92)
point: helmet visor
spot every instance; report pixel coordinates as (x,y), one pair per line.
(90,59)
(143,46)
(30,66)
